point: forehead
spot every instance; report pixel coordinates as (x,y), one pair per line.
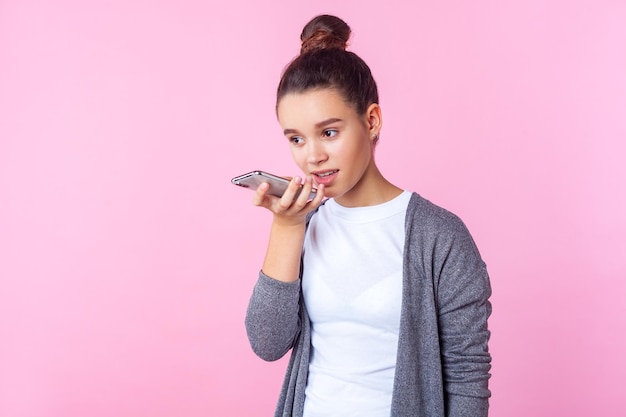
(312,106)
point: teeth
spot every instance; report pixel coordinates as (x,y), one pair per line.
(326,174)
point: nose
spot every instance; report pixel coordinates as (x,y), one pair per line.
(316,153)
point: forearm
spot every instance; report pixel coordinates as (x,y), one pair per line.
(460,406)
(464,342)
(284,250)
(466,365)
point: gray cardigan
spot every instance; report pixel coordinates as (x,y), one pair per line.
(443,360)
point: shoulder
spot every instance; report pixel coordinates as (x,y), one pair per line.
(434,228)
(427,216)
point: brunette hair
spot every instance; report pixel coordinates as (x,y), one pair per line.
(324,63)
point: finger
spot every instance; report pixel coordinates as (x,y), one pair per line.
(289,195)
(317,199)
(305,192)
(260,197)
(319,195)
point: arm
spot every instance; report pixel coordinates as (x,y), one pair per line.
(284,249)
(272,319)
(463,304)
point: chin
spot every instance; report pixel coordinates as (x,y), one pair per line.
(330,193)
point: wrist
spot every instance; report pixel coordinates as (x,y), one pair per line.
(288,223)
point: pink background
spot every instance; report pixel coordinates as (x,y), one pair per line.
(127,257)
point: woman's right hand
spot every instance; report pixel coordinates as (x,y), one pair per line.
(287,210)
(282,259)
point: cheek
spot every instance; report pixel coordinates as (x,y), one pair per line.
(358,148)
(298,156)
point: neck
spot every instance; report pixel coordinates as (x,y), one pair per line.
(371,190)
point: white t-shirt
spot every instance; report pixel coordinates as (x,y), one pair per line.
(352,287)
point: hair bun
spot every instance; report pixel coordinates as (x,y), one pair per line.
(324,32)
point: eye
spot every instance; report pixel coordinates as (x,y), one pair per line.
(296,140)
(329,133)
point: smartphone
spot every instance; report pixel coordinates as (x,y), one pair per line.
(278,185)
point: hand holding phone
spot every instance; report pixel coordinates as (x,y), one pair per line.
(278,185)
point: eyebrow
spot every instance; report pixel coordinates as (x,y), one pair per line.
(318,125)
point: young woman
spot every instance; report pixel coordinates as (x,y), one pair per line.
(381,296)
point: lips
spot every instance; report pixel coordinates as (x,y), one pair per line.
(325,177)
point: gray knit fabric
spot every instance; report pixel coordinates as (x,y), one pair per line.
(443,361)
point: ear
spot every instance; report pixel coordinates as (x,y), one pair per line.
(374,120)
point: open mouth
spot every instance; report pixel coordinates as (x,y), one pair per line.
(325,177)
(325,174)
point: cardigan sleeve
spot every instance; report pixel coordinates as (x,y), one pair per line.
(272,319)
(463,291)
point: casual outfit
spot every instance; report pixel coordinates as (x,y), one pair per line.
(388,317)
